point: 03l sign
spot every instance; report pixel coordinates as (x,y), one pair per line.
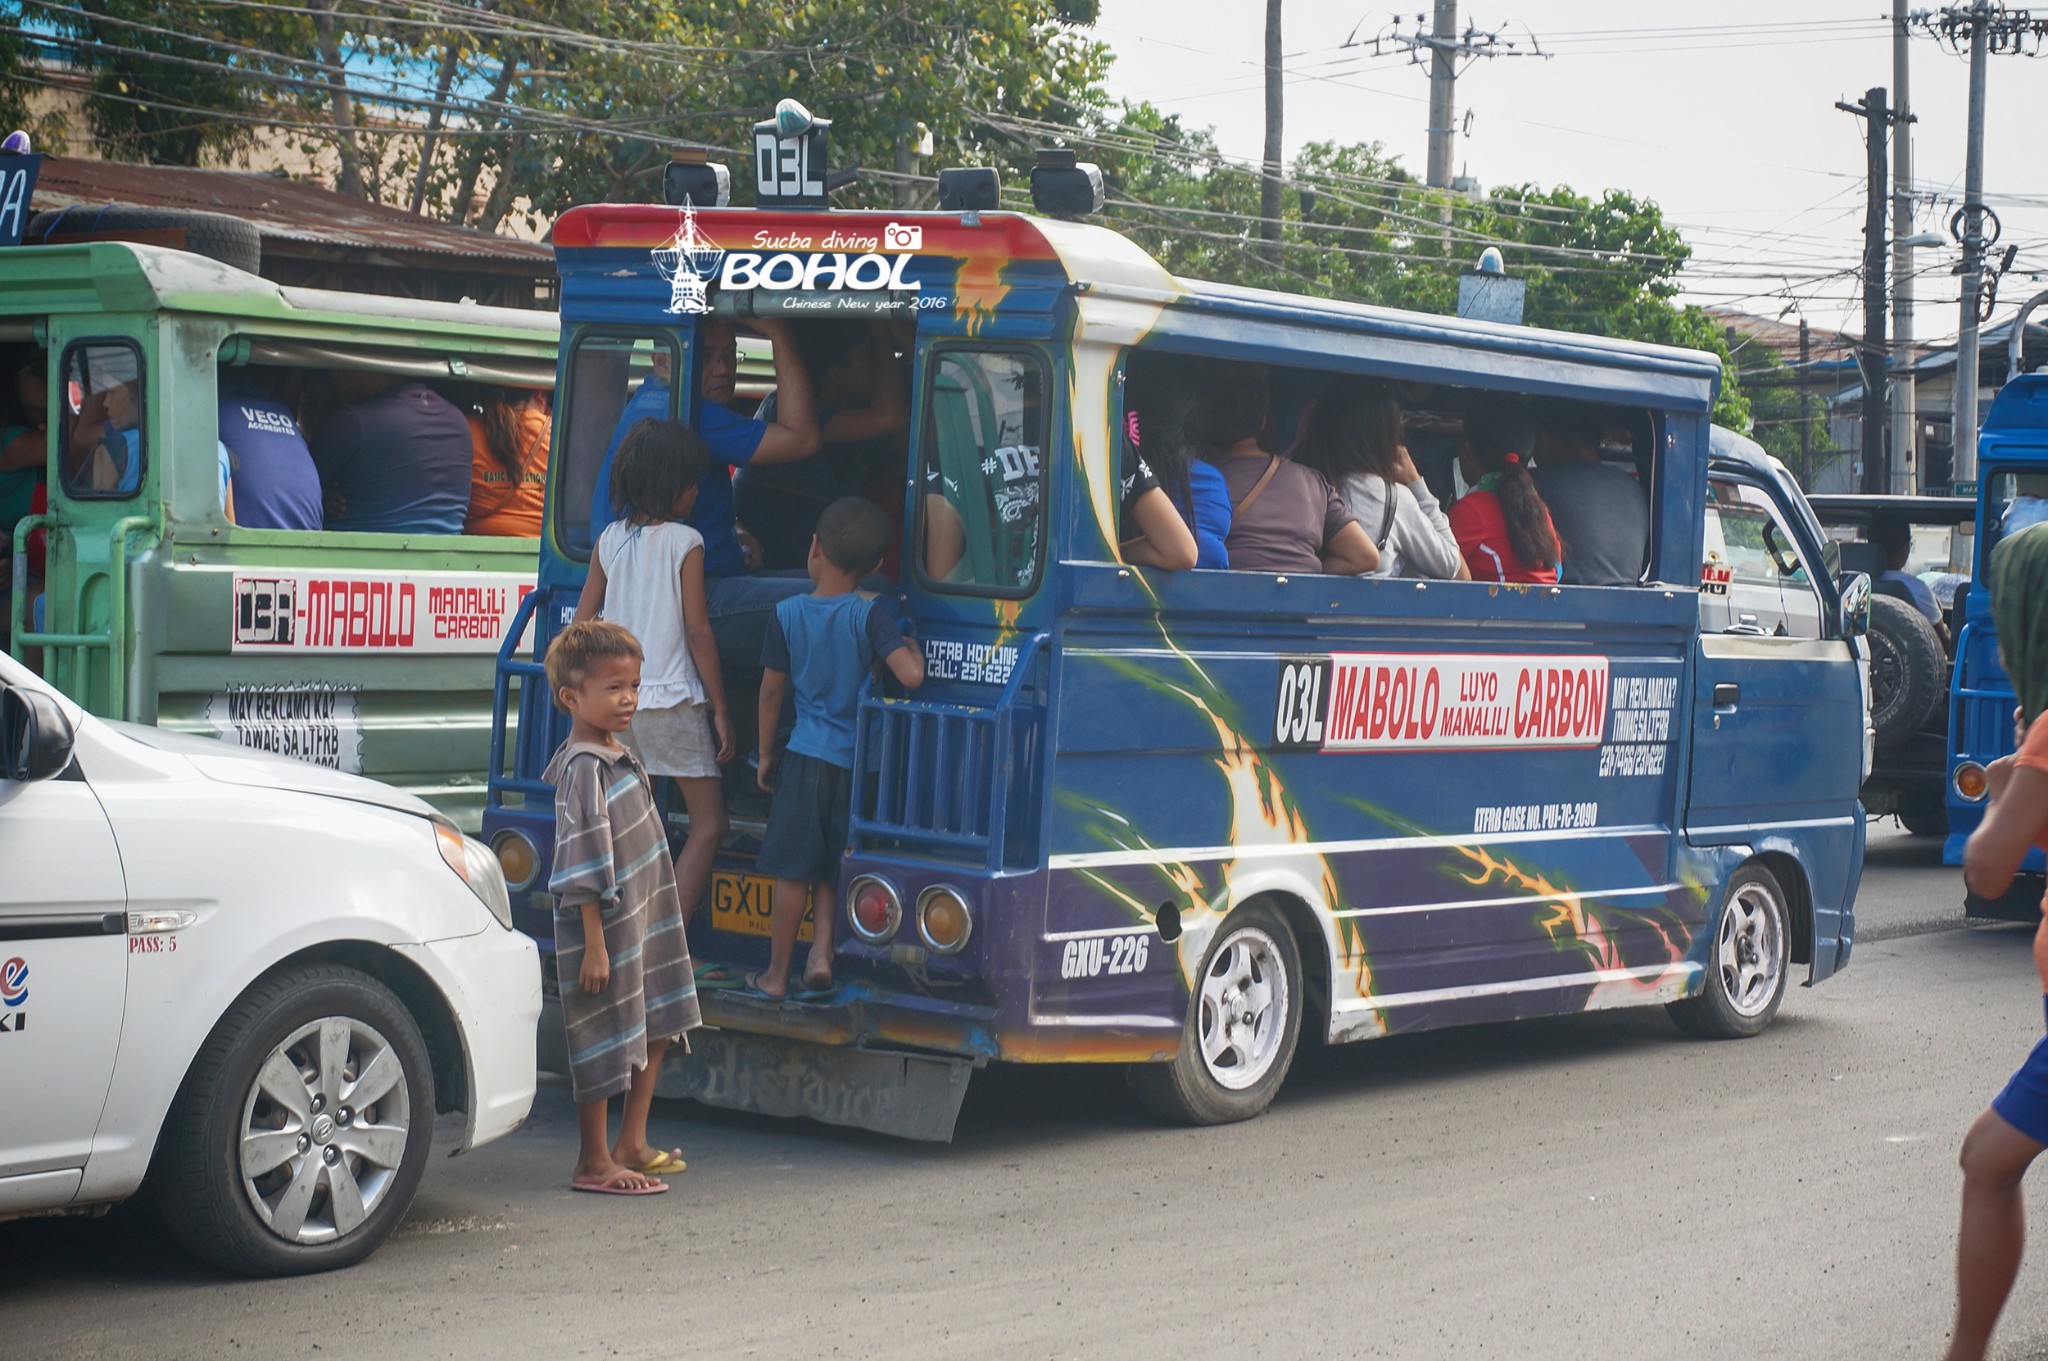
(1400,701)
(373,612)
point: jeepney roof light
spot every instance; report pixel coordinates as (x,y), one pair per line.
(690,178)
(1062,186)
(874,908)
(970,189)
(943,919)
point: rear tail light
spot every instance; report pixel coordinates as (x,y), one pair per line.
(943,919)
(516,857)
(1971,782)
(874,908)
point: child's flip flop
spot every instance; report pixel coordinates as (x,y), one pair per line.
(665,1163)
(719,978)
(808,991)
(614,1185)
(751,987)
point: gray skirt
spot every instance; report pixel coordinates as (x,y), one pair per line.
(675,741)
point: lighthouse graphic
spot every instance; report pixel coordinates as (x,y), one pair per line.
(689,262)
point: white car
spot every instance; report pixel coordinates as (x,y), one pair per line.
(246,983)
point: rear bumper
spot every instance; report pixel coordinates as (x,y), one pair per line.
(2020,903)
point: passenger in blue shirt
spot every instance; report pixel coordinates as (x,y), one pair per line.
(1160,454)
(820,646)
(739,603)
(395,460)
(276,485)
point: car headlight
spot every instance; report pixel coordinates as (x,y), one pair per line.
(474,864)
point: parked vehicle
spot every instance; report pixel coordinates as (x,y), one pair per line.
(366,652)
(1910,653)
(1179,820)
(243,984)
(2012,481)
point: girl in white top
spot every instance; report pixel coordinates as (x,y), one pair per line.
(1354,439)
(647,575)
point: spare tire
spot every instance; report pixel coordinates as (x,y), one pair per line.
(229,240)
(1906,670)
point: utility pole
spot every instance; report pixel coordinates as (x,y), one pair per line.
(1870,355)
(1447,49)
(1269,173)
(1905,425)
(1986,28)
(1805,410)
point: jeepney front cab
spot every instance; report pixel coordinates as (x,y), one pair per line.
(1172,818)
(137,595)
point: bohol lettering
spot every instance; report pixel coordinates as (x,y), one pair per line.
(835,270)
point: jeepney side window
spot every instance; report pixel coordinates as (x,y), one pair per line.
(982,515)
(105,450)
(1756,578)
(615,380)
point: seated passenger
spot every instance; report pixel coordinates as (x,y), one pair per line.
(275,484)
(1164,473)
(508,481)
(105,453)
(1601,512)
(862,409)
(739,604)
(394,459)
(1354,439)
(2029,505)
(1502,525)
(1895,537)
(24,430)
(1283,517)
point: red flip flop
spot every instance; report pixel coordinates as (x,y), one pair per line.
(610,1186)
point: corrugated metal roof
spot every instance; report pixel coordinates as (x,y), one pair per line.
(281,209)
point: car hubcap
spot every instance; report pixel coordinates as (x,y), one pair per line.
(1749,952)
(324,1130)
(1243,1009)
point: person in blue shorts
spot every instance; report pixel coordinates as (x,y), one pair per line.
(822,646)
(2006,1139)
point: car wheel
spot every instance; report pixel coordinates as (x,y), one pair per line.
(1746,968)
(1243,1025)
(1906,666)
(302,1130)
(1924,812)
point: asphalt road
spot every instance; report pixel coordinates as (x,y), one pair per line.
(1596,1186)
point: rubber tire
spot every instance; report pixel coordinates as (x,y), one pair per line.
(1182,1090)
(217,236)
(1907,669)
(1709,1016)
(1924,812)
(197,1173)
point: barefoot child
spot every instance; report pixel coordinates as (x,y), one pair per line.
(2006,1139)
(823,644)
(647,574)
(620,957)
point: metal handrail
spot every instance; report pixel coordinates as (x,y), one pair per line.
(508,666)
(115,639)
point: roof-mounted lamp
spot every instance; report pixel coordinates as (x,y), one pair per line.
(970,189)
(1064,187)
(690,178)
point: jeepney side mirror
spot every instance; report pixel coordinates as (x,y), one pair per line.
(1855,604)
(35,736)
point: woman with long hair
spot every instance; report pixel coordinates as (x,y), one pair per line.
(1161,456)
(1354,440)
(1502,525)
(509,429)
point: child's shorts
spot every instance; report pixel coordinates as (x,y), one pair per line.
(807,821)
(2024,1102)
(676,740)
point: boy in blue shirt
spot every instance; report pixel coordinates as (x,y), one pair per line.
(823,644)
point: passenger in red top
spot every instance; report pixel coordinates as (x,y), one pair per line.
(1502,525)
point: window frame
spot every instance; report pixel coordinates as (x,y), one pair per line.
(681,352)
(1778,521)
(928,363)
(63,446)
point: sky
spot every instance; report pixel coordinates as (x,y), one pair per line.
(1723,114)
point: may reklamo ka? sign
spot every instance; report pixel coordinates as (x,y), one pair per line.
(374,612)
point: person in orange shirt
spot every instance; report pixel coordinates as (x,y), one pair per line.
(2006,1139)
(510,429)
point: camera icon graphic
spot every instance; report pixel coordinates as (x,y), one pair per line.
(895,236)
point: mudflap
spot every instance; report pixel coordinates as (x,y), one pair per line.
(2020,903)
(910,1096)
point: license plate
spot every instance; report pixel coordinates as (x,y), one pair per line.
(741,903)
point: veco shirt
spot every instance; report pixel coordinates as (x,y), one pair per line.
(276,484)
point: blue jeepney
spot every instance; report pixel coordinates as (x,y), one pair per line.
(1184,820)
(2012,480)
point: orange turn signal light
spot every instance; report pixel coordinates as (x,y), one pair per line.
(1972,782)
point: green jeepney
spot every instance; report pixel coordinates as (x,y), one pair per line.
(365,652)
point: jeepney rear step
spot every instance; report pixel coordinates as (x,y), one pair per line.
(911,1096)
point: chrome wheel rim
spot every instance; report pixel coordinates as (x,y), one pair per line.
(324,1129)
(1243,1013)
(1750,950)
